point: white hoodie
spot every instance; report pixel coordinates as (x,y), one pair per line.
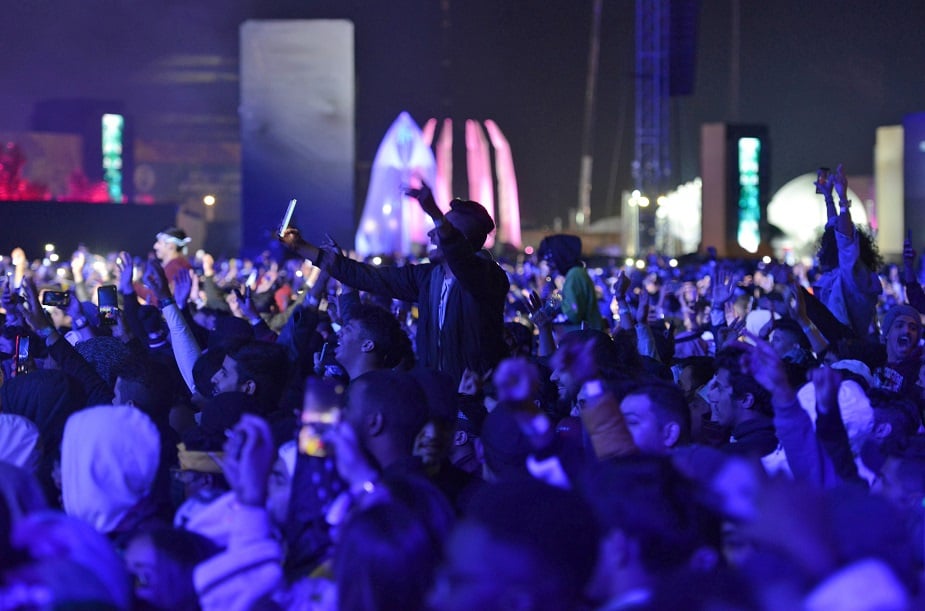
(109,457)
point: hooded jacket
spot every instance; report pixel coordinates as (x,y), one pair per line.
(109,459)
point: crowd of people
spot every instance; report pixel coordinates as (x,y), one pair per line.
(309,431)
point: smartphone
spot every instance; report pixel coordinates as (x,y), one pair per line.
(57,299)
(317,423)
(288,217)
(822,177)
(21,357)
(108,301)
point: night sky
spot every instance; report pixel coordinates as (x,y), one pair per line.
(822,75)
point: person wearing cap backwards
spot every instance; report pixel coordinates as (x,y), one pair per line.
(460,293)
(901,330)
(170,250)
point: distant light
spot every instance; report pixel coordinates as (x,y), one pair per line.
(528,250)
(386,209)
(298,273)
(640,264)
(377,260)
(61,271)
(662,200)
(636,194)
(630,261)
(643,202)
(53,257)
(209,200)
(672,262)
(765,259)
(49,248)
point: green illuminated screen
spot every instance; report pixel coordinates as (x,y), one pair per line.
(113,127)
(749,235)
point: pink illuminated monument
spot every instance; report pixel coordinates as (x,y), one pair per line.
(394,224)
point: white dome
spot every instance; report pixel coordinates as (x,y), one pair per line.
(799,212)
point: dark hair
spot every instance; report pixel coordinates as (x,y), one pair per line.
(398,397)
(146,384)
(869,254)
(391,343)
(647,499)
(555,527)
(184,550)
(792,327)
(385,560)
(267,365)
(668,404)
(701,368)
(729,358)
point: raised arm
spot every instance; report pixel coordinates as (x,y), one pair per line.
(185,348)
(843,224)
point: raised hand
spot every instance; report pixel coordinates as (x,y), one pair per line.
(841,183)
(156,280)
(126,272)
(29,307)
(183,286)
(733,331)
(246,304)
(293,239)
(723,287)
(426,198)
(78,261)
(249,457)
(620,286)
(762,363)
(328,244)
(352,464)
(824,182)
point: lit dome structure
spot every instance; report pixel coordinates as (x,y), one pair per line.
(799,212)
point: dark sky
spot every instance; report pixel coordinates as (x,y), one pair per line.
(822,75)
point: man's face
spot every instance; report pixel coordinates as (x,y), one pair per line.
(350,340)
(642,424)
(479,572)
(432,443)
(434,253)
(723,407)
(226,378)
(563,380)
(163,249)
(783,342)
(151,571)
(902,338)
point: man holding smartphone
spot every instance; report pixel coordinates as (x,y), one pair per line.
(460,293)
